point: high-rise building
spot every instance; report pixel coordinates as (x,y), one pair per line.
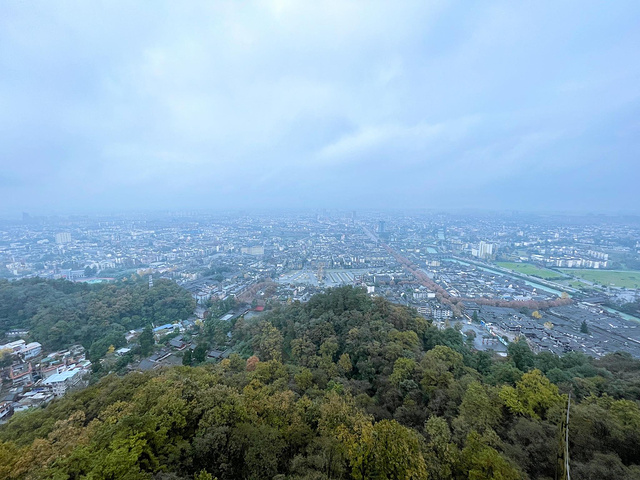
(485,250)
(381,226)
(62,238)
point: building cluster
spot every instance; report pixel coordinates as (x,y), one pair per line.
(559,330)
(21,349)
(484,250)
(34,379)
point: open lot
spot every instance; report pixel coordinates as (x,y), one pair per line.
(529,269)
(613,278)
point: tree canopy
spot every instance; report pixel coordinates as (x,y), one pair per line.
(59,313)
(344,386)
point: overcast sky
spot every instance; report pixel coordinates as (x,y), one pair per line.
(109,106)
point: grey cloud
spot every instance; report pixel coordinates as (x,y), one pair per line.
(119,105)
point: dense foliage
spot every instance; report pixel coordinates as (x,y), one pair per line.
(341,387)
(59,313)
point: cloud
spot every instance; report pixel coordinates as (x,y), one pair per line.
(422,140)
(112,105)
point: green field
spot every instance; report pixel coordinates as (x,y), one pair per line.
(617,278)
(529,269)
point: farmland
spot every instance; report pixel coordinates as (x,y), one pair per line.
(613,278)
(529,269)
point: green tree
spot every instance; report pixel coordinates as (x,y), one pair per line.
(532,396)
(403,369)
(440,367)
(483,462)
(6,358)
(217,330)
(268,342)
(397,452)
(584,328)
(200,353)
(304,379)
(442,453)
(521,355)
(203,475)
(187,357)
(478,411)
(344,364)
(146,340)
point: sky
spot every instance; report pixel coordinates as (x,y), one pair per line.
(152,105)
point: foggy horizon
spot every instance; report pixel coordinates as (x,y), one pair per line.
(439,106)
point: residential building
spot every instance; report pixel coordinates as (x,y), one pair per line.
(63,381)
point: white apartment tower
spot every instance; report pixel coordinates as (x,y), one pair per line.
(485,250)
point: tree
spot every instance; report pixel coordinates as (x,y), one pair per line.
(471,335)
(187,357)
(303,420)
(344,364)
(584,328)
(252,363)
(304,379)
(443,454)
(146,340)
(384,450)
(204,475)
(478,411)
(521,355)
(268,342)
(397,452)
(403,369)
(6,358)
(439,368)
(475,317)
(532,396)
(200,353)
(216,330)
(481,461)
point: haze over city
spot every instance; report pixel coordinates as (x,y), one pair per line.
(119,106)
(319,240)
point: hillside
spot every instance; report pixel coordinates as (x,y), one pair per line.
(344,386)
(59,313)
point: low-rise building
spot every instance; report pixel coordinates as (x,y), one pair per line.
(6,409)
(61,382)
(21,374)
(30,350)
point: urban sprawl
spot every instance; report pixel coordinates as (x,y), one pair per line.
(560,283)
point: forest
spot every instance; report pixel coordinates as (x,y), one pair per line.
(59,313)
(342,387)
